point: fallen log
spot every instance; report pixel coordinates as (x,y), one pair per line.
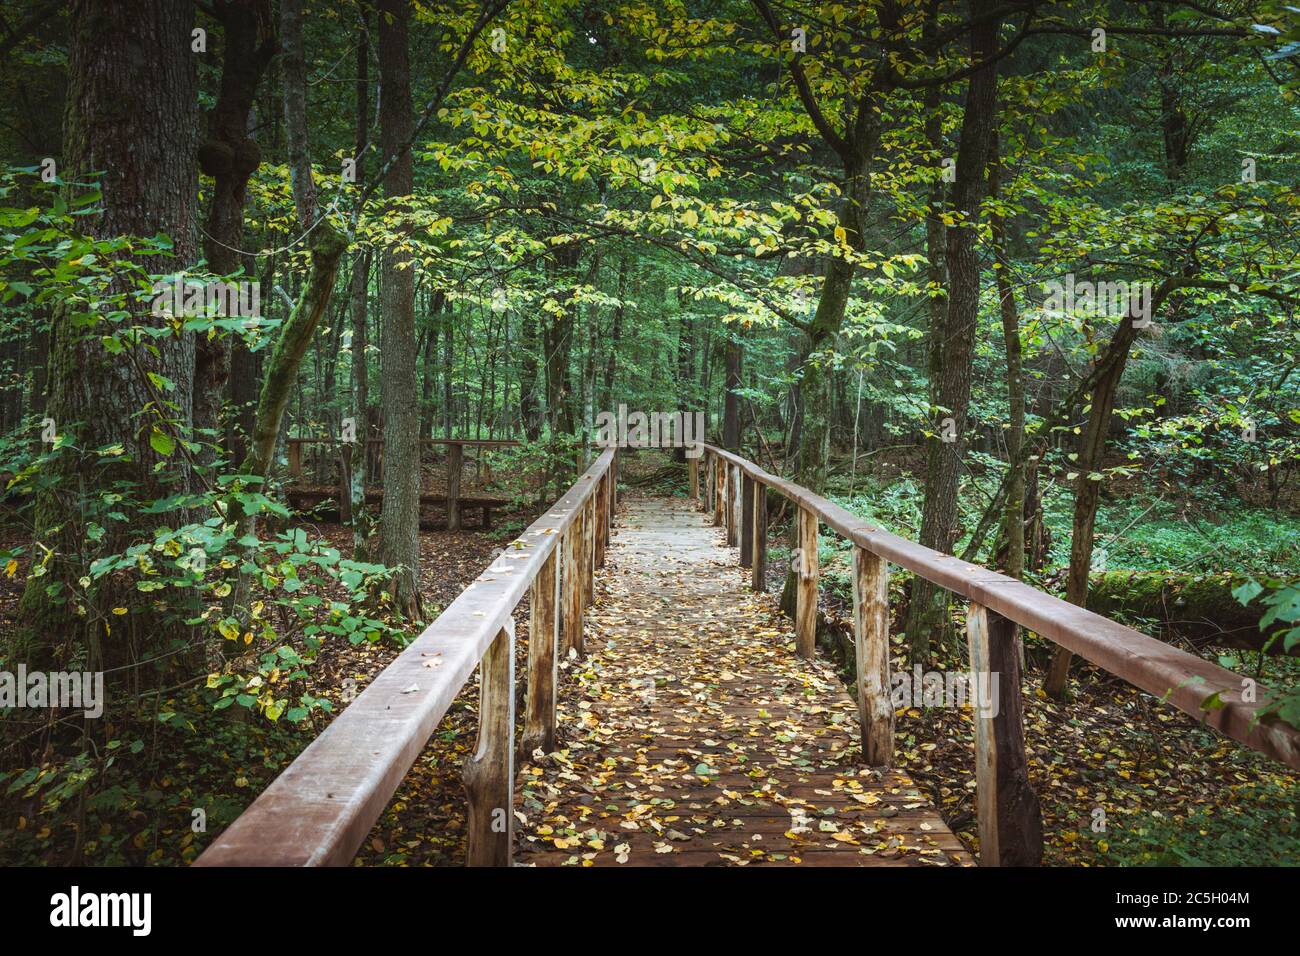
(1198,609)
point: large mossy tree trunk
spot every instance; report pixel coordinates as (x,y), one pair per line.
(927,609)
(327,248)
(131,117)
(400,520)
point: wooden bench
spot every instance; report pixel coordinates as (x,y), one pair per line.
(311,499)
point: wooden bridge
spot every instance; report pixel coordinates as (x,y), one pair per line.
(740,748)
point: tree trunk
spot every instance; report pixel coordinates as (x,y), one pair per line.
(927,609)
(400,544)
(230,156)
(131,115)
(731,400)
(294,63)
(1013,522)
(1087,496)
(361,267)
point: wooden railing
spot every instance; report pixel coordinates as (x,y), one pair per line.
(320,809)
(374,466)
(1010,827)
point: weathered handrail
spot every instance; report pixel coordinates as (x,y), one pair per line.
(320,808)
(1009,824)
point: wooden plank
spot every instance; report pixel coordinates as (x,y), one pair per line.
(589,552)
(600,506)
(758,576)
(720,497)
(777,733)
(490,773)
(572,588)
(871,651)
(710,483)
(1171,675)
(455,455)
(611,508)
(732,504)
(322,806)
(543,657)
(747,522)
(1010,822)
(806,609)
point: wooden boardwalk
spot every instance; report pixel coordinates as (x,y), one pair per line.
(692,735)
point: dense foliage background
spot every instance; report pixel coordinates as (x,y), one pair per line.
(842,231)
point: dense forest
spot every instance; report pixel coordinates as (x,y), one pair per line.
(291,293)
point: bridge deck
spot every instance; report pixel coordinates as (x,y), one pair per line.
(694,736)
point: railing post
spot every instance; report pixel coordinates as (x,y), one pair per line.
(295,458)
(805,619)
(733,502)
(1010,821)
(611,482)
(455,457)
(720,495)
(710,483)
(490,773)
(737,509)
(871,652)
(601,507)
(758,575)
(693,467)
(589,550)
(543,638)
(571,586)
(746,521)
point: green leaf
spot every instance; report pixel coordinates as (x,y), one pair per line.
(162,443)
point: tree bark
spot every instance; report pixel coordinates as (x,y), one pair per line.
(1013,522)
(230,156)
(927,609)
(294,64)
(731,400)
(361,267)
(400,523)
(131,116)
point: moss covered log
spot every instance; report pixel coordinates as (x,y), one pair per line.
(1195,608)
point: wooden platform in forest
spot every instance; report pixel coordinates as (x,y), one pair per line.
(693,735)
